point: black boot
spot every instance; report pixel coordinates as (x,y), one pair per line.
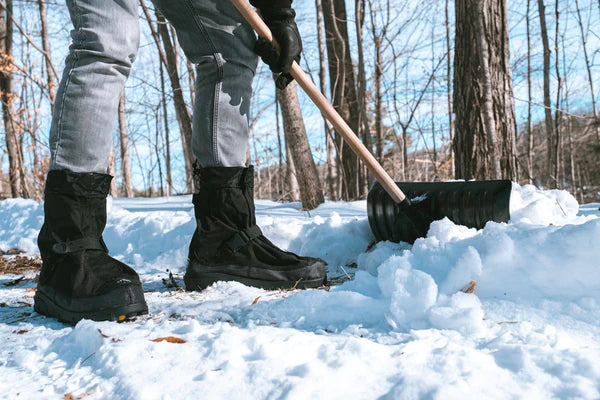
(79,279)
(227,244)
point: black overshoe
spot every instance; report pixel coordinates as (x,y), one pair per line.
(228,246)
(78,278)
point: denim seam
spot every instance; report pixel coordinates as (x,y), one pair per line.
(64,95)
(216,98)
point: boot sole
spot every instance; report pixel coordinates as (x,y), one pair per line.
(45,306)
(197,283)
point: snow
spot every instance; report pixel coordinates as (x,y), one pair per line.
(403,326)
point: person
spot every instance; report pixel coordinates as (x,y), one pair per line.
(78,278)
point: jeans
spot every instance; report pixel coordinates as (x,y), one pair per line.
(105,39)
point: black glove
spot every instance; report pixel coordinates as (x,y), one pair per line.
(284,29)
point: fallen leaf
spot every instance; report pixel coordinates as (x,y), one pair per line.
(112,339)
(69,396)
(20,332)
(470,288)
(255,300)
(170,339)
(31,289)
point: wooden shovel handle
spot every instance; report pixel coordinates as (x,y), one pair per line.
(326,108)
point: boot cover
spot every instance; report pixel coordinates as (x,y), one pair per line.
(228,246)
(78,278)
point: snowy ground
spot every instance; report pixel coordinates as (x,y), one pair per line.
(402,327)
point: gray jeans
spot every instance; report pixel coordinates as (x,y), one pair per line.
(105,41)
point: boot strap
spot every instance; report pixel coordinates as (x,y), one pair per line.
(243,237)
(73,246)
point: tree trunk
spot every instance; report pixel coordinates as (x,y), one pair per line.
(7,96)
(112,171)
(183,115)
(343,89)
(294,190)
(589,74)
(558,115)
(361,79)
(167,132)
(485,136)
(191,82)
(549,121)
(125,160)
(529,99)
(168,57)
(377,42)
(329,142)
(433,25)
(449,83)
(46,48)
(363,101)
(280,179)
(295,136)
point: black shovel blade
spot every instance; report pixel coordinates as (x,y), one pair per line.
(471,204)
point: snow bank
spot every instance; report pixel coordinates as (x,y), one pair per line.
(544,252)
(20,221)
(404,326)
(542,207)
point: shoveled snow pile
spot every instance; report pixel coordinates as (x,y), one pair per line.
(510,311)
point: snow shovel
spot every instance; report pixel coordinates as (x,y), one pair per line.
(402,211)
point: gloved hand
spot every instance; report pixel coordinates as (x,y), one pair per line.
(285,31)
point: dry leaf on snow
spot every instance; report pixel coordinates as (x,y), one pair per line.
(470,288)
(170,339)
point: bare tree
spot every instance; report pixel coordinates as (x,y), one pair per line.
(343,89)
(332,161)
(361,80)
(7,96)
(378,37)
(50,70)
(449,79)
(124,139)
(167,135)
(485,123)
(292,177)
(547,103)
(529,98)
(112,171)
(168,57)
(295,136)
(558,114)
(589,72)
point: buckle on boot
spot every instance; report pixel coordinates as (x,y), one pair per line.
(242,238)
(73,246)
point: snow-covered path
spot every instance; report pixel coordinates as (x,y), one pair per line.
(401,328)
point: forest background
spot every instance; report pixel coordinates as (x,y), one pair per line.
(437,90)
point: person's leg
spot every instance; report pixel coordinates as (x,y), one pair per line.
(105,40)
(227,244)
(215,37)
(78,278)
